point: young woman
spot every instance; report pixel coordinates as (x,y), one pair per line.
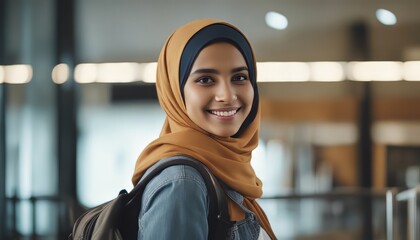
(206,84)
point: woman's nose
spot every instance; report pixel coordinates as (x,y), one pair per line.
(226,93)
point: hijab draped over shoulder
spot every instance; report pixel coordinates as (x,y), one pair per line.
(227,157)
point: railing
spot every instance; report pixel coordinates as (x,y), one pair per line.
(397,203)
(391,215)
(394,222)
(62,208)
(410,197)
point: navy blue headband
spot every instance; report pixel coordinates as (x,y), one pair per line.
(219,33)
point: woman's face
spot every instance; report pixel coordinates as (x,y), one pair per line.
(218,92)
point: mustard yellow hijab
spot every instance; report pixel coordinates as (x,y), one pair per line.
(227,157)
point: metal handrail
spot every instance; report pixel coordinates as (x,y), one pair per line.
(389,194)
(410,196)
(33,200)
(392,198)
(391,214)
(337,193)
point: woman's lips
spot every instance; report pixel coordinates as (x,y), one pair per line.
(224,112)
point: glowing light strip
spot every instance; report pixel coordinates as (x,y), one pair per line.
(327,71)
(15,74)
(107,72)
(412,71)
(149,73)
(375,71)
(115,72)
(283,72)
(267,71)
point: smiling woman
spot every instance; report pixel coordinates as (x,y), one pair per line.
(206,84)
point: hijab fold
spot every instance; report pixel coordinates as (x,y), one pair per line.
(227,157)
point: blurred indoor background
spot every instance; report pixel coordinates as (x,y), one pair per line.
(339,150)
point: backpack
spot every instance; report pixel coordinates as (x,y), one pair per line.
(118,218)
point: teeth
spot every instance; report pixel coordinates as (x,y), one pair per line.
(224,113)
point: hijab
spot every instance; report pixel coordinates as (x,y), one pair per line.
(229,158)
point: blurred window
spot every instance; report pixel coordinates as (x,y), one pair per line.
(111,137)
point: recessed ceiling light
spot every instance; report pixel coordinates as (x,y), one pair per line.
(386,17)
(276,20)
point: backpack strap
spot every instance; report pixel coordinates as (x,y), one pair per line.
(218,218)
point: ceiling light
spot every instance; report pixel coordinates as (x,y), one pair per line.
(85,73)
(17,74)
(60,73)
(327,71)
(283,71)
(412,71)
(386,17)
(276,20)
(149,72)
(1,74)
(375,71)
(122,72)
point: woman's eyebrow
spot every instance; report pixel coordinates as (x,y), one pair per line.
(214,71)
(239,69)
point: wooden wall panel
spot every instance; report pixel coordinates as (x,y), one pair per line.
(338,110)
(395,109)
(343,160)
(379,167)
(310,110)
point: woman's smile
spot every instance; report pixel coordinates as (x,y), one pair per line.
(224,112)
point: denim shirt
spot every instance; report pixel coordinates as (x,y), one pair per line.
(175,205)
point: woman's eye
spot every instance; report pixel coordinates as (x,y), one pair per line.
(205,80)
(240,78)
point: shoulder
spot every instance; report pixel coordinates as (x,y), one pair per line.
(177,179)
(176,197)
(178,173)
